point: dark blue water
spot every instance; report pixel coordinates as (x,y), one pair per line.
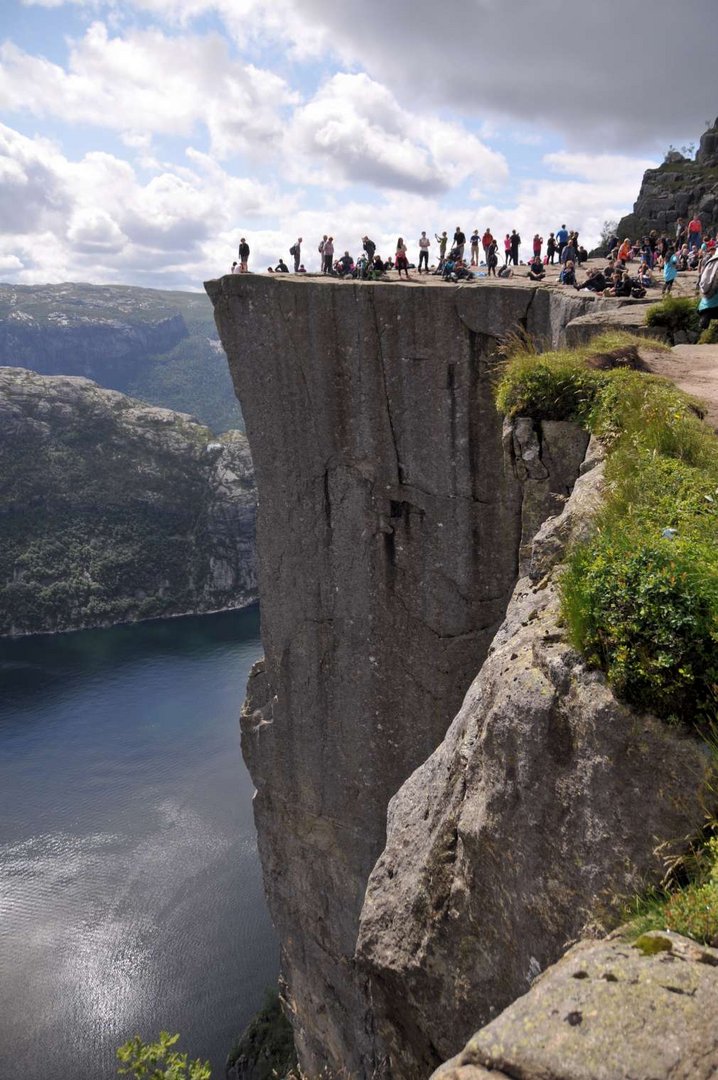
(130,890)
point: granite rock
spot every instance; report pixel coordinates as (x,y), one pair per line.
(606,1010)
(545,801)
(390,525)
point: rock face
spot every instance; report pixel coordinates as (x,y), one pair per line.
(545,799)
(677,188)
(158,346)
(111,510)
(607,1009)
(393,515)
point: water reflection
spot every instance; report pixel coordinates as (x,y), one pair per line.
(130,892)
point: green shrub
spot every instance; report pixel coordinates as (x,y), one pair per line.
(640,598)
(645,609)
(694,912)
(561,384)
(689,907)
(158,1061)
(710,335)
(674,314)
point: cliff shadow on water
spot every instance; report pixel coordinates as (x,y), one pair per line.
(394,515)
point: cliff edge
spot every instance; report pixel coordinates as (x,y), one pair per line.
(395,518)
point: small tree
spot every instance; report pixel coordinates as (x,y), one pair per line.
(608,231)
(158,1061)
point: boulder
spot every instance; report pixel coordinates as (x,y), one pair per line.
(608,1009)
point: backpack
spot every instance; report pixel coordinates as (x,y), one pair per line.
(293,249)
(708,281)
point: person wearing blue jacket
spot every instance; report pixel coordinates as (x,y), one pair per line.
(670,271)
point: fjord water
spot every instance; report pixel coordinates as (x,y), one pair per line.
(130,889)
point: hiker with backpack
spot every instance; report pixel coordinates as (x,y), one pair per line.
(708,292)
(296,252)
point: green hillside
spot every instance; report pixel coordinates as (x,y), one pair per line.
(161,347)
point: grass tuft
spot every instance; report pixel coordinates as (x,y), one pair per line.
(640,598)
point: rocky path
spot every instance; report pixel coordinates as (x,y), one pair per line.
(694,369)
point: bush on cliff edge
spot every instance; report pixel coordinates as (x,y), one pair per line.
(640,598)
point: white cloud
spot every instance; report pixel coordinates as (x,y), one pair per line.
(148,83)
(96,218)
(354,131)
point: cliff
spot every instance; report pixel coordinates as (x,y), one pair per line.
(545,801)
(158,346)
(394,518)
(680,187)
(111,510)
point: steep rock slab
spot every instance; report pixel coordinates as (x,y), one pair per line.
(112,511)
(545,798)
(606,1010)
(389,526)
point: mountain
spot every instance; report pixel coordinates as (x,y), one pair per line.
(679,187)
(160,347)
(112,510)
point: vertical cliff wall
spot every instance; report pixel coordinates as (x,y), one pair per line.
(389,531)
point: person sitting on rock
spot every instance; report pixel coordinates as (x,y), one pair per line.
(622,284)
(624,251)
(377,269)
(568,274)
(536,271)
(682,257)
(448,266)
(281,267)
(595,281)
(645,277)
(346,265)
(582,254)
(301,269)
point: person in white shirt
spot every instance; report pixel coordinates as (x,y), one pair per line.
(424,245)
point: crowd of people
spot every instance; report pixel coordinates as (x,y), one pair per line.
(632,266)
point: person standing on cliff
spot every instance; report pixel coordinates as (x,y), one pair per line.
(459,242)
(537,245)
(328,261)
(492,257)
(475,247)
(296,252)
(486,241)
(551,248)
(670,272)
(442,241)
(561,240)
(695,232)
(515,243)
(243,256)
(401,259)
(370,248)
(424,245)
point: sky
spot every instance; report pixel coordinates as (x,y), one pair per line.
(141,139)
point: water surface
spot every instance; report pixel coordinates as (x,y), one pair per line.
(130,889)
